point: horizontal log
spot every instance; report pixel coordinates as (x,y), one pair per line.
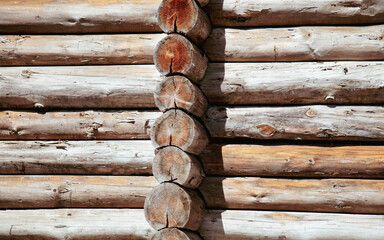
(271,44)
(117,224)
(77,49)
(295,44)
(313,122)
(226,84)
(327,195)
(84,16)
(76,125)
(135,158)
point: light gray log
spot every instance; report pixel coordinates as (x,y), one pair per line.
(77,49)
(226,84)
(313,122)
(296,44)
(76,125)
(118,224)
(135,158)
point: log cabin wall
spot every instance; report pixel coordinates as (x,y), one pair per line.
(295,119)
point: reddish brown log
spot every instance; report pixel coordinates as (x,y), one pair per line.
(174,165)
(177,128)
(174,234)
(175,54)
(185,17)
(169,205)
(179,92)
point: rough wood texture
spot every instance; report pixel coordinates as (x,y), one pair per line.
(86,16)
(305,122)
(327,195)
(135,158)
(76,157)
(171,164)
(74,224)
(179,92)
(296,44)
(248,13)
(175,54)
(255,225)
(119,224)
(294,161)
(169,205)
(78,87)
(76,125)
(177,128)
(73,191)
(185,17)
(294,83)
(174,234)
(226,84)
(79,16)
(77,49)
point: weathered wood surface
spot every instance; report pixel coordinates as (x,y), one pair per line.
(74,224)
(77,49)
(176,128)
(184,17)
(169,205)
(171,164)
(176,54)
(85,16)
(175,234)
(135,158)
(73,191)
(315,122)
(118,224)
(78,87)
(327,195)
(248,13)
(226,84)
(294,161)
(296,44)
(76,125)
(76,157)
(180,92)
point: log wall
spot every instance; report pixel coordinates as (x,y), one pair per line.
(288,94)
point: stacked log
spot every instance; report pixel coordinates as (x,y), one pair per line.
(178,135)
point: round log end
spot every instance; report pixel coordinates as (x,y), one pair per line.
(169,205)
(179,92)
(171,164)
(175,54)
(185,17)
(174,234)
(177,128)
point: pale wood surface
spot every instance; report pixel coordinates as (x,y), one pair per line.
(81,16)
(315,122)
(133,86)
(295,44)
(135,158)
(76,125)
(327,195)
(217,225)
(175,234)
(77,49)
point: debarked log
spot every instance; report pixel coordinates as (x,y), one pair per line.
(135,158)
(77,49)
(77,125)
(295,44)
(224,84)
(119,224)
(314,122)
(175,234)
(185,207)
